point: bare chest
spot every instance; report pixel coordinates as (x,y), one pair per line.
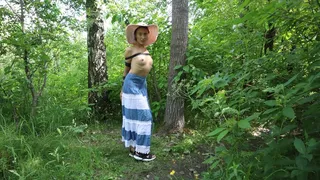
(142,60)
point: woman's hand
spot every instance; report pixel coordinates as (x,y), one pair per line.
(121,95)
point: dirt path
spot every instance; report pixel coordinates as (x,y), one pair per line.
(178,157)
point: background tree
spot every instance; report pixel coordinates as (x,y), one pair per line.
(97,67)
(29,35)
(174,114)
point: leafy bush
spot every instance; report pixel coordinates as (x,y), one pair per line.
(264,106)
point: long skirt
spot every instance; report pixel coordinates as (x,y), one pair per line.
(136,114)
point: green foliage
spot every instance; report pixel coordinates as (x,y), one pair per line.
(260,108)
(31,49)
(136,11)
(263,106)
(80,151)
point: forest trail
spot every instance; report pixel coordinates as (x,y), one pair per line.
(177,157)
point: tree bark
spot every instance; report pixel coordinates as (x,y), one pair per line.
(174,114)
(35,94)
(97,68)
(269,38)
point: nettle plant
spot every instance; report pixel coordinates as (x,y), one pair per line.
(261,131)
(264,103)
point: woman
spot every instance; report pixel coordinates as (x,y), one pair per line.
(136,113)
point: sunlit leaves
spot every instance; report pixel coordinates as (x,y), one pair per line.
(275,93)
(124,12)
(220,132)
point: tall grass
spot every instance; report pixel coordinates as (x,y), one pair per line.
(39,147)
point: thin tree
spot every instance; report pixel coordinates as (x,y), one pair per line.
(174,114)
(97,68)
(269,36)
(35,92)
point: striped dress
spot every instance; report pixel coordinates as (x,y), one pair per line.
(136,114)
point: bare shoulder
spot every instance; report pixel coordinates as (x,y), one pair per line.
(128,52)
(134,50)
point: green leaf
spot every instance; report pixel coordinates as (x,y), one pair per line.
(295,173)
(114,18)
(288,128)
(7,70)
(195,89)
(290,80)
(301,162)
(178,76)
(308,99)
(177,67)
(220,149)
(270,102)
(244,124)
(189,58)
(216,131)
(275,131)
(288,112)
(214,165)
(312,142)
(268,111)
(59,131)
(222,135)
(299,145)
(244,4)
(253,116)
(186,68)
(15,173)
(229,111)
(308,156)
(210,160)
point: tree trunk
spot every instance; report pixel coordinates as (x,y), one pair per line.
(174,114)
(97,68)
(269,38)
(35,94)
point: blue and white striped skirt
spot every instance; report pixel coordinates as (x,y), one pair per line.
(136,114)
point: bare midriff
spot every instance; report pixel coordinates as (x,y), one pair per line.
(141,65)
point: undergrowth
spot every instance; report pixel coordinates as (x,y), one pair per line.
(95,151)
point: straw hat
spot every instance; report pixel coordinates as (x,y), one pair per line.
(152,36)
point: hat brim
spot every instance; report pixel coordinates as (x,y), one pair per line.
(152,36)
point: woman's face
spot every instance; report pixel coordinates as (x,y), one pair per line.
(142,35)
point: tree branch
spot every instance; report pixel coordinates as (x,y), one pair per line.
(17,16)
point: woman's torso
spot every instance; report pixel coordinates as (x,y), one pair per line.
(141,64)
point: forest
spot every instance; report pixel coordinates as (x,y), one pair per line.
(234,89)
